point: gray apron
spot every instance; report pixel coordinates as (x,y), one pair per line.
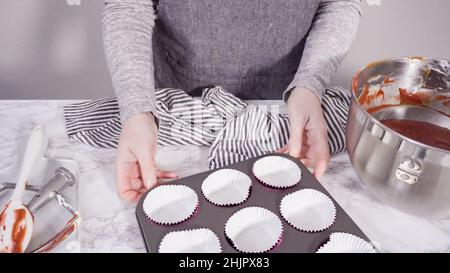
(252,48)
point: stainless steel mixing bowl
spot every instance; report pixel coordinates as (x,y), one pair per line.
(408,175)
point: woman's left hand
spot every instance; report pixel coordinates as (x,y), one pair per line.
(308,131)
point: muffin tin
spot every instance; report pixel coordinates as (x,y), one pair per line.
(215,217)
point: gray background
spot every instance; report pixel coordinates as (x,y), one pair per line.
(52,50)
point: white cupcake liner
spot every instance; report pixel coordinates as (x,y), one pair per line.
(226,187)
(341,242)
(254,230)
(308,210)
(200,240)
(170,204)
(277,172)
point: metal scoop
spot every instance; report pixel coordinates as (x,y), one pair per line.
(16,220)
(50,192)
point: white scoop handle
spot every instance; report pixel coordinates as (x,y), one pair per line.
(32,151)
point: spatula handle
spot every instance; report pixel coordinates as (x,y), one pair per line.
(32,151)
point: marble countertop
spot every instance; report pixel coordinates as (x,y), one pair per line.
(109,225)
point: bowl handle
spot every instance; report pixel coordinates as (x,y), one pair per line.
(409,171)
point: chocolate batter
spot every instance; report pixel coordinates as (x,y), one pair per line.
(420,131)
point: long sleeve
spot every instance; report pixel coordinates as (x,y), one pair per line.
(330,37)
(127,39)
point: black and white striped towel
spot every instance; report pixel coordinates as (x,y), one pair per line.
(235,130)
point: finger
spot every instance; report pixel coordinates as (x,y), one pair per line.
(322,163)
(295,140)
(148,168)
(305,151)
(136,183)
(130,195)
(308,162)
(142,190)
(283,149)
(320,168)
(123,177)
(323,155)
(166,174)
(137,196)
(134,195)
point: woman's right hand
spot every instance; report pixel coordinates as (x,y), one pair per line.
(135,163)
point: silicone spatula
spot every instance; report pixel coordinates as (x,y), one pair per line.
(16,220)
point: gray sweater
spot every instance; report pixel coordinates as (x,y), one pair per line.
(257,49)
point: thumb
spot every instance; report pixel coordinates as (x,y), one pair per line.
(148,169)
(295,139)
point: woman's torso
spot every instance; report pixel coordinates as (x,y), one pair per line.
(252,48)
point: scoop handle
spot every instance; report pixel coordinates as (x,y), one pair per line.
(63,178)
(32,151)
